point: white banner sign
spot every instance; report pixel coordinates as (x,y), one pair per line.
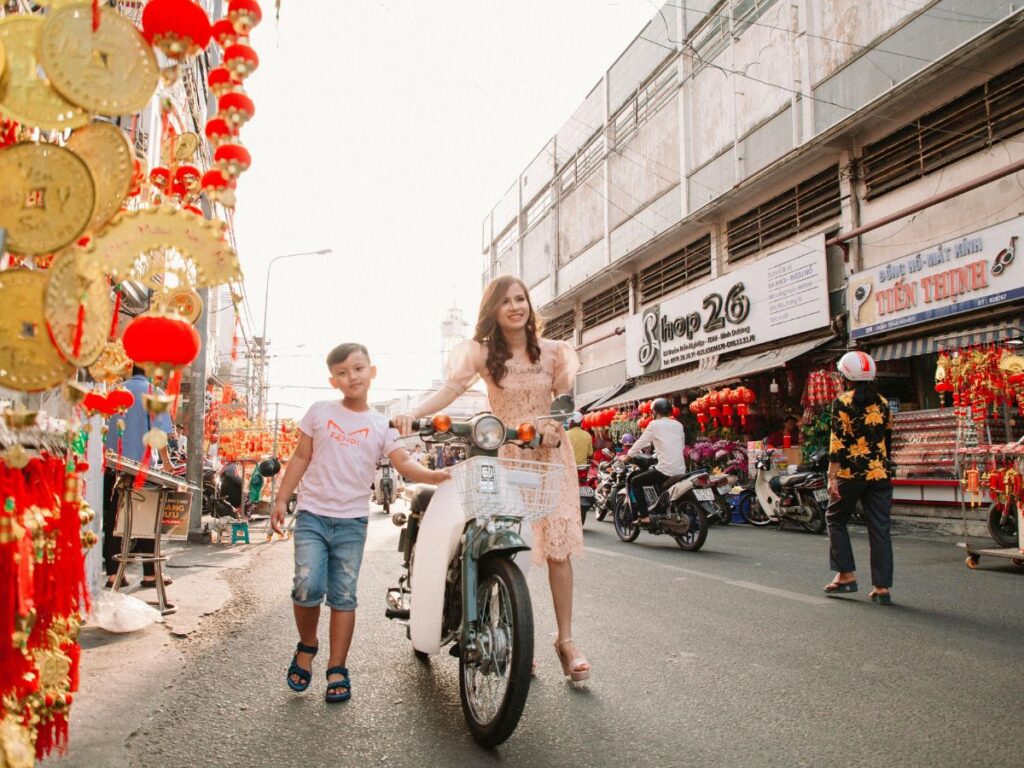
(961,275)
(780,295)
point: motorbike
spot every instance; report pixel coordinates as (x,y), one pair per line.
(586,476)
(676,508)
(774,497)
(609,473)
(460,583)
(385,485)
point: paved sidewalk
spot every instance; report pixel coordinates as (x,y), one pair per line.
(119,669)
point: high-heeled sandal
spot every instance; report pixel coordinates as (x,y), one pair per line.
(571,668)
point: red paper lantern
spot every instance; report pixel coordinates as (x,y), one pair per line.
(712,399)
(675,412)
(218,130)
(734,396)
(747,395)
(160,177)
(742,409)
(236,108)
(241,60)
(97,402)
(121,399)
(224,32)
(218,188)
(221,81)
(232,159)
(189,176)
(244,14)
(702,419)
(943,386)
(179,28)
(161,344)
(694,407)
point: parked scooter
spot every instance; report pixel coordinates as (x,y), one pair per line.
(609,470)
(385,485)
(586,476)
(676,507)
(775,497)
(459,562)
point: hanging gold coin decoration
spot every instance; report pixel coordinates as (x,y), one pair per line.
(116,247)
(111,70)
(113,363)
(106,151)
(185,302)
(28,360)
(26,95)
(46,197)
(185,147)
(78,310)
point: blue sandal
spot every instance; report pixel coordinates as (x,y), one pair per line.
(304,675)
(338,690)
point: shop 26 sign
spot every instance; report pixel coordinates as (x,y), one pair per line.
(969,273)
(782,294)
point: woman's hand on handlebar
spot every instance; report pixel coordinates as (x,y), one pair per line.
(403,423)
(550,434)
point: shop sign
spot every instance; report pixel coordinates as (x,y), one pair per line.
(777,296)
(955,276)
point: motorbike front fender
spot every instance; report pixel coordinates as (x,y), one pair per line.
(498,543)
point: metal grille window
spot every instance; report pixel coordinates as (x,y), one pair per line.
(648,99)
(585,162)
(982,117)
(606,306)
(689,263)
(561,328)
(810,202)
(539,207)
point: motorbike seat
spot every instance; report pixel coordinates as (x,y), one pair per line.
(779,482)
(420,497)
(644,462)
(676,478)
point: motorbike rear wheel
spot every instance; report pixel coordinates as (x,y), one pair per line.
(816,524)
(493,690)
(694,538)
(622,516)
(1003,532)
(601,508)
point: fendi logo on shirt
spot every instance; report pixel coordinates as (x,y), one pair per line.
(338,435)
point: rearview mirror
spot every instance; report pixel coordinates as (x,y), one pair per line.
(563,406)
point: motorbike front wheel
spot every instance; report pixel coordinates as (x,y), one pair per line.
(694,538)
(1003,528)
(601,507)
(622,516)
(752,512)
(816,522)
(493,688)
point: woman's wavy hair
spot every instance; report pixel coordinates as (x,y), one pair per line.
(488,332)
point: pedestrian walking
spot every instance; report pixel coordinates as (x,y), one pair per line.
(340,442)
(858,471)
(523,372)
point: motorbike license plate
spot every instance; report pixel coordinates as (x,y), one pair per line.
(723,490)
(586,490)
(704,494)
(821,495)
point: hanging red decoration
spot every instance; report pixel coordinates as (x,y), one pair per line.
(244,14)
(160,177)
(179,28)
(236,108)
(241,60)
(224,32)
(221,80)
(160,344)
(121,399)
(218,188)
(675,411)
(232,159)
(218,130)
(189,176)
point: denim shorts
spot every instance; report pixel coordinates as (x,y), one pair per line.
(328,553)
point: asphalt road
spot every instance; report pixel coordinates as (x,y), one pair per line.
(728,656)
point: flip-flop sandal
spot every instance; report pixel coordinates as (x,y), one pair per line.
(338,690)
(881,598)
(147,584)
(304,675)
(836,588)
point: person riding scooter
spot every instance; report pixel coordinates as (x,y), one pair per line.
(666,435)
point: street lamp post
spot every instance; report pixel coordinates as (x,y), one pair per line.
(263,337)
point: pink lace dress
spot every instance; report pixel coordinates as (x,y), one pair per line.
(525,393)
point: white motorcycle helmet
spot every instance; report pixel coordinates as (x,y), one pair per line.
(575,419)
(857,366)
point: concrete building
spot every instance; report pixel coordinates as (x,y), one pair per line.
(676,227)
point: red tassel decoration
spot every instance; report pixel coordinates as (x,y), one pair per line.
(79,329)
(147,457)
(95,15)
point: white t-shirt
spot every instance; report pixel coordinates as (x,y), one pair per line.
(346,447)
(667,437)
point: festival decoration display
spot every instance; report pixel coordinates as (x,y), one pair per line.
(721,407)
(179,28)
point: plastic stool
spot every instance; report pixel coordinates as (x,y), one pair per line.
(239,532)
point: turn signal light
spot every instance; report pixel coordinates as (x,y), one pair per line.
(526,432)
(442,422)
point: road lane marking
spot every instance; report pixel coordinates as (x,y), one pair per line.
(753,587)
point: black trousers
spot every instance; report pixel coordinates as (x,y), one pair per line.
(112,543)
(875,497)
(639,480)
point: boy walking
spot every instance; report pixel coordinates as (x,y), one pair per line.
(339,444)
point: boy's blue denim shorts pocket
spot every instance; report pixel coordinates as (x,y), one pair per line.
(328,553)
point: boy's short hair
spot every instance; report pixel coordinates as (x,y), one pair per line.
(341,353)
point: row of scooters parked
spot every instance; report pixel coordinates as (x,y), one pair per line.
(685,506)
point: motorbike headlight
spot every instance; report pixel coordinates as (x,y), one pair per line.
(488,433)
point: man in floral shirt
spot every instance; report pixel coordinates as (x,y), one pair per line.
(859,449)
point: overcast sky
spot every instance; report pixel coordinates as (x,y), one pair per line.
(386,130)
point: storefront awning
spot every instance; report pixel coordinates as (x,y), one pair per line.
(598,397)
(925,345)
(735,369)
